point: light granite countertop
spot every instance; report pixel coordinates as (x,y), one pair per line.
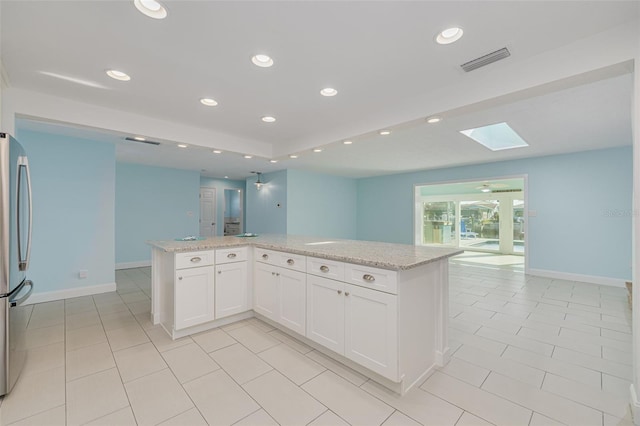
(380,255)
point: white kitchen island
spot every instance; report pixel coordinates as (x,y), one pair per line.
(380,308)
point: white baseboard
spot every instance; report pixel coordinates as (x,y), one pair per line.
(634,404)
(592,279)
(129,265)
(69,293)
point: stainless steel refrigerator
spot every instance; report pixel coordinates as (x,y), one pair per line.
(15,251)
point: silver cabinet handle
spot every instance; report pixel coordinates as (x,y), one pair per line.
(15,302)
(324,268)
(180,278)
(273,273)
(196,259)
(277,274)
(339,291)
(265,256)
(231,255)
(346,293)
(23,263)
(368,278)
(290,262)
(219,272)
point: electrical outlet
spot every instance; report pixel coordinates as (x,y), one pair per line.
(83,274)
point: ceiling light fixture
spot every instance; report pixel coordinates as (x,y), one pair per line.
(347,142)
(217,151)
(263,61)
(384,132)
(268,119)
(118,75)
(449,35)
(293,156)
(140,138)
(273,161)
(248,157)
(317,150)
(151,8)
(433,120)
(181,145)
(226,177)
(258,183)
(328,91)
(208,102)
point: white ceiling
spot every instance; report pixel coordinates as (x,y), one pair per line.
(379,55)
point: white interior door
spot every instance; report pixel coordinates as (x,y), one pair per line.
(207,212)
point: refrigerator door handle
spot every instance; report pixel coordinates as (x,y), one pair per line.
(15,302)
(23,263)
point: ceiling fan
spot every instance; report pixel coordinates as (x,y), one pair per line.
(489,187)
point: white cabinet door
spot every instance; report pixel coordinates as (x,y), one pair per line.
(231,289)
(194,296)
(265,291)
(371,337)
(293,299)
(325,312)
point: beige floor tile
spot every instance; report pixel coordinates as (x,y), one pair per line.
(219,399)
(54,417)
(592,362)
(338,368)
(478,342)
(82,319)
(240,363)
(48,318)
(190,417)
(253,338)
(95,396)
(290,341)
(43,358)
(283,400)
(118,320)
(468,419)
(294,365)
(479,402)
(465,371)
(258,418)
(553,406)
(615,385)
(157,397)
(539,420)
(213,340)
(260,325)
(134,297)
(163,342)
(80,307)
(138,361)
(346,400)
(36,337)
(517,341)
(111,308)
(125,337)
(85,336)
(142,307)
(400,419)
(328,418)
(89,360)
(418,404)
(189,362)
(33,394)
(122,417)
(144,320)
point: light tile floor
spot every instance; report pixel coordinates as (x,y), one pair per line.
(526,351)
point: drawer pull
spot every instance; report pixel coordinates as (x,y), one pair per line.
(180,278)
(346,293)
(368,278)
(290,262)
(219,272)
(265,256)
(324,268)
(196,259)
(231,255)
(339,291)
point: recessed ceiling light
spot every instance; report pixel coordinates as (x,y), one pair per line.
(151,8)
(118,75)
(328,91)
(262,61)
(317,150)
(139,138)
(449,35)
(248,156)
(268,119)
(273,161)
(384,132)
(181,145)
(496,137)
(433,120)
(226,177)
(347,142)
(217,151)
(293,156)
(208,102)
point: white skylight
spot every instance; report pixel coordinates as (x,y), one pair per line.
(496,137)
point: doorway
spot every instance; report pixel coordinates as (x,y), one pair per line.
(207,212)
(233,212)
(480,216)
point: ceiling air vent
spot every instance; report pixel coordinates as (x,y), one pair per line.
(139,141)
(486,59)
(506,190)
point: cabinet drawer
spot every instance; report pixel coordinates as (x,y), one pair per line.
(325,268)
(292,261)
(365,276)
(266,256)
(194,259)
(236,254)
